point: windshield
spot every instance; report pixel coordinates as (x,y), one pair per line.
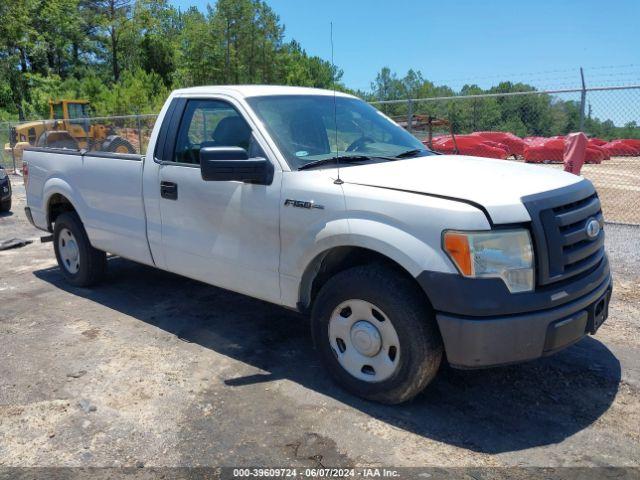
(306,129)
(78,112)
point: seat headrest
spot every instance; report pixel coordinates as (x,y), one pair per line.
(232,131)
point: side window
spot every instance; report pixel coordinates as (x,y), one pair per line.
(211,123)
(57,111)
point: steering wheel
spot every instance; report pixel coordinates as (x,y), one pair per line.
(359,143)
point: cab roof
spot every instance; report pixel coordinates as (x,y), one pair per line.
(257,90)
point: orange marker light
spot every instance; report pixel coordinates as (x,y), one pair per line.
(457,246)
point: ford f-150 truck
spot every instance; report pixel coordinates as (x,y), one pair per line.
(316,201)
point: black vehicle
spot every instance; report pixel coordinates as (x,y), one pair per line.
(5,190)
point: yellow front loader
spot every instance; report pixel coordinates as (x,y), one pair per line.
(69,126)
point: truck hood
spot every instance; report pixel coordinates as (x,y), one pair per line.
(496,185)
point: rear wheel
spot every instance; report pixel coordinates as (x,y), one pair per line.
(376,334)
(117,144)
(80,263)
(57,139)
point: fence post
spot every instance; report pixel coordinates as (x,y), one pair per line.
(409,116)
(11,143)
(139,125)
(583,100)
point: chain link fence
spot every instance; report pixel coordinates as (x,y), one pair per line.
(539,120)
(447,124)
(118,134)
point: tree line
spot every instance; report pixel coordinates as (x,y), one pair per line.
(126,55)
(536,114)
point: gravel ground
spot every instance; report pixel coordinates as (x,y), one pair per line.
(617,181)
(623,247)
(152,369)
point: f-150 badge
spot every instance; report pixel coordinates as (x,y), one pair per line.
(301,204)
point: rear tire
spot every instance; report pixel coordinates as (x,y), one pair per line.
(411,349)
(57,139)
(6,205)
(80,263)
(117,144)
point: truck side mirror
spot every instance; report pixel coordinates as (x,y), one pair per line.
(233,163)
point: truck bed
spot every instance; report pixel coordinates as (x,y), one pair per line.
(105,189)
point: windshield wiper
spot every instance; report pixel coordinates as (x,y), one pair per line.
(409,153)
(359,158)
(336,160)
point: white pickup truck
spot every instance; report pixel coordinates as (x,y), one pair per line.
(316,201)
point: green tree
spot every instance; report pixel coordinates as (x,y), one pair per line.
(108,19)
(197,57)
(149,38)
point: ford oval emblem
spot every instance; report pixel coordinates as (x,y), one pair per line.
(592,228)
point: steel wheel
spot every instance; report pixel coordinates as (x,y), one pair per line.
(364,340)
(69,251)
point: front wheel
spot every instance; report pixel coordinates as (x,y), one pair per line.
(376,334)
(81,264)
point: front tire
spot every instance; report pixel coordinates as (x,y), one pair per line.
(376,334)
(80,263)
(6,205)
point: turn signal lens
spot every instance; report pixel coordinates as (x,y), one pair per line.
(457,246)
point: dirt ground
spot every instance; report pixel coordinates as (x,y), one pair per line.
(152,369)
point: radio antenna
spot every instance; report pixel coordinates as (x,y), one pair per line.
(335,107)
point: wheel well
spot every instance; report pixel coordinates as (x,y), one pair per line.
(336,260)
(58,204)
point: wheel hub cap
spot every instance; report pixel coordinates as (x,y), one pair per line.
(69,252)
(366,338)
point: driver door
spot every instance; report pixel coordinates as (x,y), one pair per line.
(225,233)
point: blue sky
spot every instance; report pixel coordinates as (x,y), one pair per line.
(463,41)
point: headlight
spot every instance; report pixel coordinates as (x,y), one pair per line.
(505,254)
(3,174)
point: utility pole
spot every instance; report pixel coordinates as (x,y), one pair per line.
(583,100)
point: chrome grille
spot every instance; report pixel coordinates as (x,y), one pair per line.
(579,252)
(559,225)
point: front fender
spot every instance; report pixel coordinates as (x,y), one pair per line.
(400,246)
(410,252)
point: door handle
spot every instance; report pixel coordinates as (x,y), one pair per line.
(169,190)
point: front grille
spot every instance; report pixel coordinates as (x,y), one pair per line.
(559,225)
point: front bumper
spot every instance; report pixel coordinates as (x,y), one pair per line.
(506,337)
